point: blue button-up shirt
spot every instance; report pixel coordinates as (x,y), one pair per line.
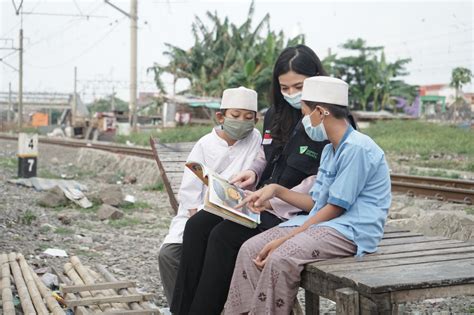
(356,178)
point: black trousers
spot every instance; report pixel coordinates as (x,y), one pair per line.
(210,248)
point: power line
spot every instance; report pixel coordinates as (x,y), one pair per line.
(63,28)
(83,52)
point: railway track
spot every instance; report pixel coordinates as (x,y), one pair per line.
(443,189)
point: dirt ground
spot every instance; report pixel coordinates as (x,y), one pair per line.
(129,246)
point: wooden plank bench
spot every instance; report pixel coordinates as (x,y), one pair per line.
(170,159)
(407,267)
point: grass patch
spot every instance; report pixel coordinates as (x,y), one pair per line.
(470,210)
(9,163)
(28,217)
(48,174)
(127,206)
(433,173)
(45,229)
(407,137)
(158,186)
(95,207)
(63,231)
(124,222)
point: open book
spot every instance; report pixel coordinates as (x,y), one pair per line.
(222,197)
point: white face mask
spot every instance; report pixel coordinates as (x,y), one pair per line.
(294,99)
(315,133)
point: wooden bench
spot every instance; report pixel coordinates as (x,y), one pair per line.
(407,267)
(170,159)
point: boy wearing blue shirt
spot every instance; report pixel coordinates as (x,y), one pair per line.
(349,204)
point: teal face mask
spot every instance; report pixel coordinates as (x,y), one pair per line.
(294,99)
(237,129)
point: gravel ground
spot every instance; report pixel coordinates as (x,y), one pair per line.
(129,247)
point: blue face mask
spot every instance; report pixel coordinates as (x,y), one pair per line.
(316,133)
(294,99)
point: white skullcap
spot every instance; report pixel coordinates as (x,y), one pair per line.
(239,98)
(327,90)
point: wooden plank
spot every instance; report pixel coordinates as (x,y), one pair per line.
(402,248)
(419,276)
(375,257)
(174,167)
(400,235)
(430,293)
(392,229)
(110,299)
(311,303)
(407,261)
(347,302)
(97,286)
(411,240)
(169,189)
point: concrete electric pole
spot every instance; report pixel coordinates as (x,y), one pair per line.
(133,16)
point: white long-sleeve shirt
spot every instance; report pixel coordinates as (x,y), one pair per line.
(213,152)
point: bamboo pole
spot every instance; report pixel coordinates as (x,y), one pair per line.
(31,285)
(109,277)
(76,279)
(87,279)
(7,296)
(53,305)
(80,310)
(25,299)
(108,292)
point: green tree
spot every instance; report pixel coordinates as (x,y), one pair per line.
(227,55)
(105,105)
(459,77)
(373,81)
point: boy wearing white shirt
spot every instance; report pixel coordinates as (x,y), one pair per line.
(227,150)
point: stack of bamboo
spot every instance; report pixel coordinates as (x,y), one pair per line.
(35,297)
(101,294)
(85,291)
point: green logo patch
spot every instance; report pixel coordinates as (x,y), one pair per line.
(312,154)
(303,149)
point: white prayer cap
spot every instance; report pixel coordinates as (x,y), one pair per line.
(322,89)
(239,98)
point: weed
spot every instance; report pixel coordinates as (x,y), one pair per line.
(124,222)
(158,186)
(8,163)
(63,231)
(28,217)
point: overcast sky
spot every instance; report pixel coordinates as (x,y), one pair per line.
(437,35)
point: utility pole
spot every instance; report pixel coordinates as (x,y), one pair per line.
(74,99)
(133,64)
(133,16)
(10,107)
(113,99)
(20,83)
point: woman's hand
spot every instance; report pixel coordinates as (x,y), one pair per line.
(266,251)
(244,179)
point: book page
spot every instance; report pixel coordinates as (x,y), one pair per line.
(228,196)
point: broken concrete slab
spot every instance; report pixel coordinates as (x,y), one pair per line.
(112,195)
(53,198)
(109,212)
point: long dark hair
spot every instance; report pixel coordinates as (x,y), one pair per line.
(302,60)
